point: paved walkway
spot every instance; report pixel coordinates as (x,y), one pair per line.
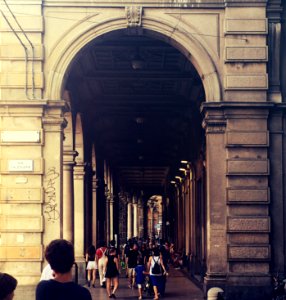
(178,287)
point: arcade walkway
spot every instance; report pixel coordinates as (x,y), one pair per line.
(178,287)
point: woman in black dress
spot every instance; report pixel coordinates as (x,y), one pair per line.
(111,268)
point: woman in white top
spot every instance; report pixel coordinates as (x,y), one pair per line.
(156,270)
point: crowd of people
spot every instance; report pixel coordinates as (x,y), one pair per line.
(145,264)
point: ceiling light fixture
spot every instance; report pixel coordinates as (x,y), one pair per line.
(137,61)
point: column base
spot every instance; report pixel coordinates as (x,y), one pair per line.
(81,271)
(240,286)
(214,280)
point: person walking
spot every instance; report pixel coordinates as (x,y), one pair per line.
(111,270)
(156,270)
(139,277)
(91,266)
(60,255)
(100,258)
(132,257)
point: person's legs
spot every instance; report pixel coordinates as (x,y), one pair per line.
(139,291)
(88,277)
(130,277)
(100,271)
(133,278)
(115,283)
(155,289)
(93,277)
(108,286)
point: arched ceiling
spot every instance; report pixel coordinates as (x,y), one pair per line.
(143,120)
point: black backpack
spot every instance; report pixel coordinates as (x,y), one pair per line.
(156,269)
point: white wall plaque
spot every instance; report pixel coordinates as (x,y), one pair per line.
(19,165)
(20,136)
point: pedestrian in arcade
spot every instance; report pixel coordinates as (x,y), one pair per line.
(100,258)
(111,270)
(140,277)
(60,255)
(7,286)
(156,270)
(91,266)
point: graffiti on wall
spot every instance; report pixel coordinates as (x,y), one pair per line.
(51,206)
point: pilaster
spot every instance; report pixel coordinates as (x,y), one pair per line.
(244,202)
(53,125)
(215,126)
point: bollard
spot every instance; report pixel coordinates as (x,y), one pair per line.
(214,292)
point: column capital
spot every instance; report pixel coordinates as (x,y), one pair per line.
(78,170)
(68,157)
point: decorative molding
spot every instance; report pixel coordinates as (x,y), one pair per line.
(247,195)
(21,223)
(248,224)
(241,166)
(21,195)
(246,54)
(246,26)
(246,82)
(246,138)
(247,252)
(21,253)
(134,15)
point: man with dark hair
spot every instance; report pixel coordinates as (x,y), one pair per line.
(7,286)
(60,255)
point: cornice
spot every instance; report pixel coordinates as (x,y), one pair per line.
(182,4)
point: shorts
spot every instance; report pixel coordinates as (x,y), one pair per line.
(91,265)
(139,285)
(156,280)
(131,272)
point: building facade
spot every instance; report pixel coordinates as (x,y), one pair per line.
(60,180)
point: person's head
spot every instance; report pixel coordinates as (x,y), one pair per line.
(156,251)
(7,286)
(60,255)
(112,250)
(140,261)
(91,250)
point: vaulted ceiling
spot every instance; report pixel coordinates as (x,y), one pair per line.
(139,98)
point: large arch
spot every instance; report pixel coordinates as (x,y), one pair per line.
(190,45)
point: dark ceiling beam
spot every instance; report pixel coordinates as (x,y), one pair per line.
(134,75)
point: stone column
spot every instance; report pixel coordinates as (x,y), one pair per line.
(122,217)
(111,211)
(78,172)
(140,217)
(214,124)
(94,210)
(68,193)
(107,213)
(129,217)
(135,216)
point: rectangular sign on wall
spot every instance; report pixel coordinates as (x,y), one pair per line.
(20,165)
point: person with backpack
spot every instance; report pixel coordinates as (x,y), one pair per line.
(100,258)
(156,270)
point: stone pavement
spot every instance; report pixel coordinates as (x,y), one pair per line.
(178,287)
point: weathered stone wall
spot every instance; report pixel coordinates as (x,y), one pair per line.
(227,43)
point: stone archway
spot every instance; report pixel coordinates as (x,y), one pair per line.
(175,34)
